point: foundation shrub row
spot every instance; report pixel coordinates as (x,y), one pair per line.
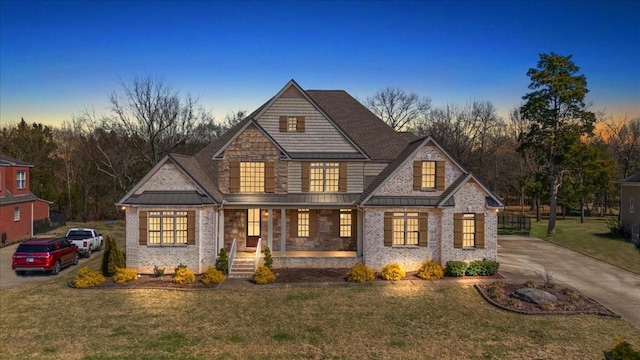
(474,268)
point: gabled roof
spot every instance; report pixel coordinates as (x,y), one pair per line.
(457,185)
(377,139)
(631,179)
(188,166)
(9,198)
(6,160)
(235,134)
(170,198)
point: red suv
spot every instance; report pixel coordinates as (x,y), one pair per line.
(44,255)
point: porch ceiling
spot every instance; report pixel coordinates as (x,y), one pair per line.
(292,200)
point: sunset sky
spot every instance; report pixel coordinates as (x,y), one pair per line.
(60,58)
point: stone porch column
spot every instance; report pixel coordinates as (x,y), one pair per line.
(283,231)
(270,228)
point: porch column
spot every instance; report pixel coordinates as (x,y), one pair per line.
(283,231)
(220,229)
(270,228)
(360,235)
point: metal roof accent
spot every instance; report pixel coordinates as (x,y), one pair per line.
(290,199)
(170,198)
(404,201)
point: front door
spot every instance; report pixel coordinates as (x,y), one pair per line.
(253,227)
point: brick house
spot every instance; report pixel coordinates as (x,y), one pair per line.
(629,213)
(319,179)
(19,207)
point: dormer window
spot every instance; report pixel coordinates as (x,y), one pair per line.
(21,179)
(291,123)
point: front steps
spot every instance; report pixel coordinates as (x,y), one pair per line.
(242,268)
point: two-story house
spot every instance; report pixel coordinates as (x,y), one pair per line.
(19,207)
(629,213)
(319,179)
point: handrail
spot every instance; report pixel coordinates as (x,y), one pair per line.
(231,257)
(257,259)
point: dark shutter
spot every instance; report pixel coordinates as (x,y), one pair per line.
(417,175)
(283,124)
(388,229)
(342,177)
(354,223)
(234,176)
(313,223)
(305,176)
(270,177)
(440,175)
(300,124)
(335,223)
(457,230)
(191,227)
(142,225)
(293,223)
(480,231)
(423,224)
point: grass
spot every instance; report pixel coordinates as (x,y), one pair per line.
(51,320)
(591,238)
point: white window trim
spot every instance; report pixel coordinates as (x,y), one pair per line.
(16,214)
(21,180)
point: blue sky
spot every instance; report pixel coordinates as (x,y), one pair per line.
(60,58)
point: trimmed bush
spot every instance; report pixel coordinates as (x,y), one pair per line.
(268,259)
(112,258)
(183,275)
(430,270)
(222,262)
(455,268)
(263,275)
(360,273)
(124,275)
(624,351)
(392,272)
(212,276)
(482,268)
(88,278)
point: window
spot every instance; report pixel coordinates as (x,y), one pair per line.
(428,175)
(167,227)
(405,229)
(292,123)
(251,177)
(324,177)
(16,214)
(21,179)
(345,223)
(468,230)
(253,222)
(631,206)
(303,223)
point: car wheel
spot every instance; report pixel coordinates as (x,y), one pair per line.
(76,259)
(56,268)
(88,254)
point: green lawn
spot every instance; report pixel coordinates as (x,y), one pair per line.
(592,238)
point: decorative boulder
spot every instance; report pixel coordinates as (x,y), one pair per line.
(535,296)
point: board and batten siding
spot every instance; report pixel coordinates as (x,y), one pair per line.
(320,135)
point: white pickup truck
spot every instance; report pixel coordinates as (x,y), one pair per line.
(87,240)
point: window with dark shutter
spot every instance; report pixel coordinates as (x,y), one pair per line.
(270,177)
(142,225)
(234,176)
(457,230)
(342,177)
(440,175)
(423,224)
(388,228)
(300,124)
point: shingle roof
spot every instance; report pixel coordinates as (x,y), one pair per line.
(192,167)
(404,201)
(6,160)
(9,198)
(369,132)
(630,179)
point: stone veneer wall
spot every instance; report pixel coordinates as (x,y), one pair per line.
(470,199)
(252,145)
(376,255)
(197,257)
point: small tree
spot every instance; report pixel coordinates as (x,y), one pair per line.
(268,259)
(113,258)
(222,262)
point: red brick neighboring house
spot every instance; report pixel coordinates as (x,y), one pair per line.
(19,207)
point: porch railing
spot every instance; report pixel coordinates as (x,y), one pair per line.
(232,256)
(258,251)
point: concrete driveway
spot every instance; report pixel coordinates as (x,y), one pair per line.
(526,258)
(8,277)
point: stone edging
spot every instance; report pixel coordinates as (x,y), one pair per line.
(556,312)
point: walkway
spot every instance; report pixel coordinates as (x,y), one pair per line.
(526,258)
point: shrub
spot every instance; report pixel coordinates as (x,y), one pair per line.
(482,268)
(546,305)
(212,276)
(181,266)
(157,272)
(393,272)
(455,268)
(183,275)
(112,258)
(222,262)
(360,273)
(514,303)
(624,351)
(88,278)
(615,226)
(495,290)
(124,275)
(268,259)
(263,275)
(430,270)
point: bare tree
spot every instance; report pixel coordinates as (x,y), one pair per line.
(397,108)
(624,142)
(148,109)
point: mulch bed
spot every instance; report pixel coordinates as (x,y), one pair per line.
(153,282)
(565,304)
